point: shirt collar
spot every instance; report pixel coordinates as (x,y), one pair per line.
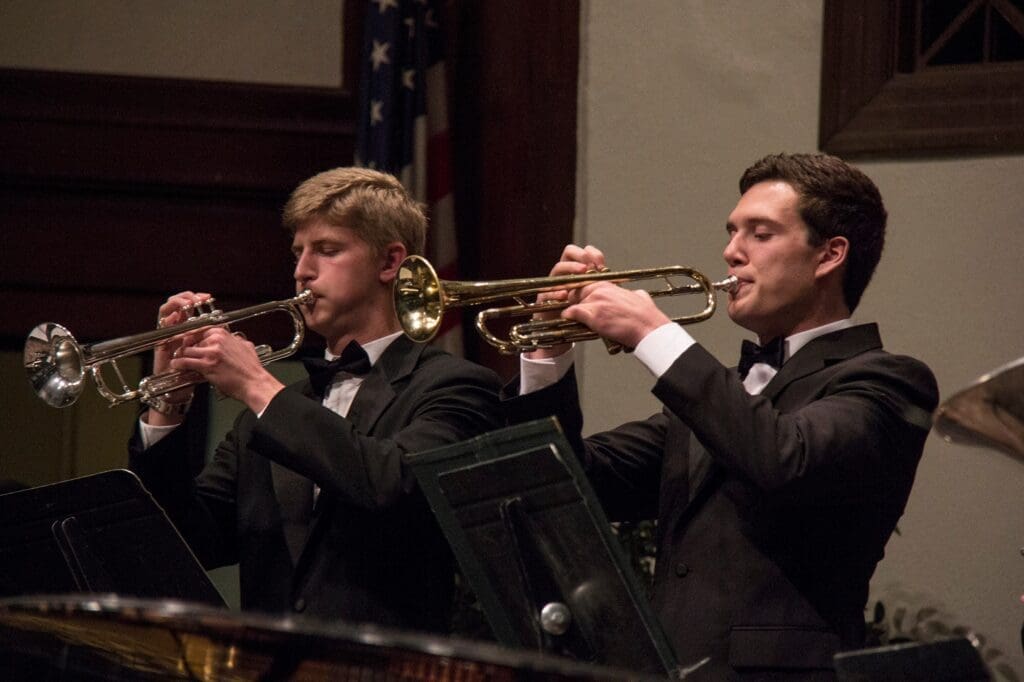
(374,349)
(801,339)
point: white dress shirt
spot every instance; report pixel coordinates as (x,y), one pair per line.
(660,349)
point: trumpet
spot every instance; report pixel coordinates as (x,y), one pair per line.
(422,298)
(57,364)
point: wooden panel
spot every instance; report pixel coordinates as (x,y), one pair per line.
(514,128)
(870,109)
(938,112)
(116,191)
(82,128)
(72,240)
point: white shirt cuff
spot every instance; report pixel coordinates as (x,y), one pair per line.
(662,347)
(537,374)
(151,435)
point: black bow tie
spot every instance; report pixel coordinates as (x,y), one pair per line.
(751,354)
(352,360)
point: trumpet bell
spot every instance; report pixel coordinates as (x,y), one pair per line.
(54,364)
(419,299)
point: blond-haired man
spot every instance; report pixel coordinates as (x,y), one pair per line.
(307,492)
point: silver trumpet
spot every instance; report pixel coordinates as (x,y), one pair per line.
(57,364)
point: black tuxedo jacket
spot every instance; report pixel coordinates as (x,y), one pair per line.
(371,550)
(772,510)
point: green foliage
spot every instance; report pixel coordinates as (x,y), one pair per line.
(637,539)
(928,624)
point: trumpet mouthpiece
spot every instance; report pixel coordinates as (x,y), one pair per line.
(728,285)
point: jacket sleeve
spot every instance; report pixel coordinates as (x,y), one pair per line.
(445,402)
(202,508)
(866,423)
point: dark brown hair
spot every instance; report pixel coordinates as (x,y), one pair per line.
(836,200)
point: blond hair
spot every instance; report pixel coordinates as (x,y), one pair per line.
(372,204)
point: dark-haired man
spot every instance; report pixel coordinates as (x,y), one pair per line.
(775,487)
(308,492)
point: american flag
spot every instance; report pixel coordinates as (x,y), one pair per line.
(403,124)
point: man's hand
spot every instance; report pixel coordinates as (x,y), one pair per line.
(174,311)
(616,314)
(613,313)
(230,363)
(576,260)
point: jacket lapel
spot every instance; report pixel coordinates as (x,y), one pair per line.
(701,479)
(294,494)
(699,466)
(377,390)
(823,351)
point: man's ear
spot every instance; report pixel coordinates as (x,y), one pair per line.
(832,255)
(394,254)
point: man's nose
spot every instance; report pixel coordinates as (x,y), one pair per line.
(733,252)
(303,268)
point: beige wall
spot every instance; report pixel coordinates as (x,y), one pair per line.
(294,42)
(676,99)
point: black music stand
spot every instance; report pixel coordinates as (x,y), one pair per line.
(536,548)
(954,659)
(96,534)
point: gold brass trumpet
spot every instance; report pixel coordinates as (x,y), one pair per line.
(57,364)
(422,298)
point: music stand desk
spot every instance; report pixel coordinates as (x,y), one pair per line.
(96,534)
(535,547)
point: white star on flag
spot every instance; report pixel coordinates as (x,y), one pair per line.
(379,55)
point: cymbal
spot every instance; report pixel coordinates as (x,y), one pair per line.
(988,413)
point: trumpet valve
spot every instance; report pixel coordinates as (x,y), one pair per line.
(200,309)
